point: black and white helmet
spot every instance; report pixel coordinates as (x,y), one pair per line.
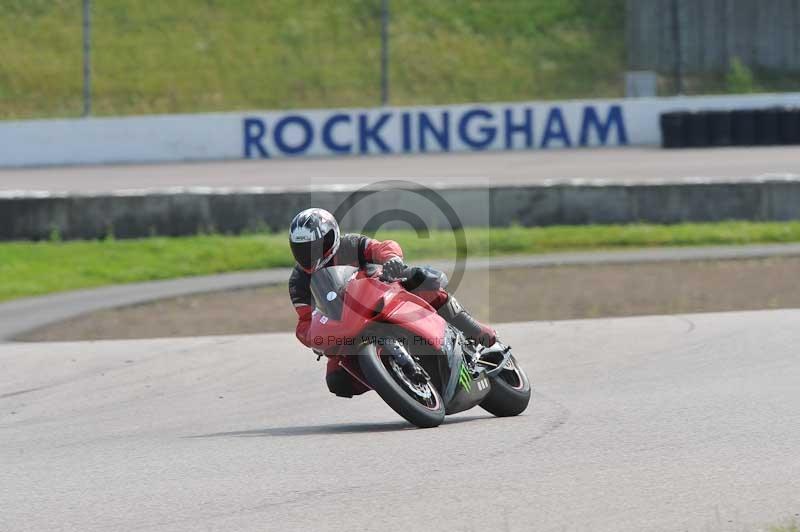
(314,238)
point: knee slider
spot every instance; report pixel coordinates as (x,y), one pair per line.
(340,383)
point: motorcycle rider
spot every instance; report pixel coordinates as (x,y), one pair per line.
(316,242)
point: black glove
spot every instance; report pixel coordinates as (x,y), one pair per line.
(394,268)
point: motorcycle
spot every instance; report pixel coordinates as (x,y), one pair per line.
(392,341)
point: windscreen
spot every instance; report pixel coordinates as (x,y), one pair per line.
(327,287)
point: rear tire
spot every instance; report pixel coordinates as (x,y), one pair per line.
(510,393)
(379,377)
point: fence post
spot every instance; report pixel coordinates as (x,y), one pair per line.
(87,65)
(384,52)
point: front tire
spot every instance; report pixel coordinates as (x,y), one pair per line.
(510,393)
(379,373)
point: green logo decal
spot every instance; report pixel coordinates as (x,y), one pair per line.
(464,378)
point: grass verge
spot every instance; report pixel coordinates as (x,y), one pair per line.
(36,268)
(186,56)
(791,526)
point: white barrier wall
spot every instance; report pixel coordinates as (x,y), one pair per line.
(298,133)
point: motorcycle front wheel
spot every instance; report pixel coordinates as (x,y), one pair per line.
(419,404)
(511,391)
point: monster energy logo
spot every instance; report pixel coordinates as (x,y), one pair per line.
(464,378)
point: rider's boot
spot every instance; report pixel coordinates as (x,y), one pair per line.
(455,315)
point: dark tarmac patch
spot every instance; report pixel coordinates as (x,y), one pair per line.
(517,294)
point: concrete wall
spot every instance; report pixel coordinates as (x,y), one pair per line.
(355,132)
(189,212)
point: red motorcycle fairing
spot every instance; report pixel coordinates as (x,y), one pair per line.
(369,300)
(419,318)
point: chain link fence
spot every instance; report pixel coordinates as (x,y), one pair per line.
(187,56)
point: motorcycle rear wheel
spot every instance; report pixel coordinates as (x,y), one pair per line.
(510,393)
(393,390)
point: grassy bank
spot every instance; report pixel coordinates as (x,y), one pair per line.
(28,268)
(212,55)
(791,526)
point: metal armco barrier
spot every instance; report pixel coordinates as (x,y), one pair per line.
(741,127)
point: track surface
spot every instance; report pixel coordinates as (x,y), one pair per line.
(517,167)
(660,423)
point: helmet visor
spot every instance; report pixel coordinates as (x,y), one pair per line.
(310,255)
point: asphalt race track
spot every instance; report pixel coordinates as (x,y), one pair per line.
(480,169)
(658,423)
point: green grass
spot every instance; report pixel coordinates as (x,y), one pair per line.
(791,526)
(35,268)
(212,55)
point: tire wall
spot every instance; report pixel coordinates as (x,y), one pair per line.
(770,126)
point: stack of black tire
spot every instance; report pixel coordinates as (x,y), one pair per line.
(742,127)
